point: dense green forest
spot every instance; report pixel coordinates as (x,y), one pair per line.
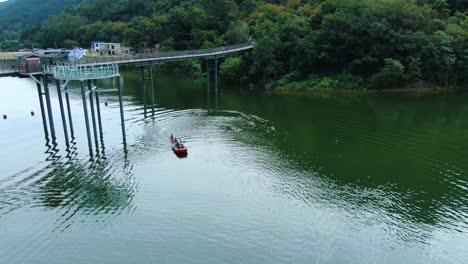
(343,44)
(17,14)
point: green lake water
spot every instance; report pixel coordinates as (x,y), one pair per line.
(268,179)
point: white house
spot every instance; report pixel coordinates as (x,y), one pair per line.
(108,48)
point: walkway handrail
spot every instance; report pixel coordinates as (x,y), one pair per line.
(82,72)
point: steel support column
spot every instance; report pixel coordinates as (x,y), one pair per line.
(93,115)
(216,83)
(208,91)
(45,81)
(70,120)
(143,86)
(98,108)
(41,104)
(85,109)
(152,86)
(122,119)
(62,113)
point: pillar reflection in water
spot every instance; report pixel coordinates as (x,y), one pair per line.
(212,78)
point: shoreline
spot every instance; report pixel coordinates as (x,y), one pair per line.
(413,92)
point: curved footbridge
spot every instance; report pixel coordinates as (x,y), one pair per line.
(90,69)
(161,57)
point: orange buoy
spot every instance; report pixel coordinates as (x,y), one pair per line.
(5,116)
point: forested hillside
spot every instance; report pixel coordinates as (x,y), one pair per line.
(17,14)
(315,43)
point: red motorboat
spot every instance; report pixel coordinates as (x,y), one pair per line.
(177,146)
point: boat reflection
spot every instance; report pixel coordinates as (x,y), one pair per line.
(181,155)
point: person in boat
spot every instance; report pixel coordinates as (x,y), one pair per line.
(172,137)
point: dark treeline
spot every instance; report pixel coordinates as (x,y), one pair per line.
(299,44)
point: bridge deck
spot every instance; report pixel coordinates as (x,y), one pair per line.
(8,72)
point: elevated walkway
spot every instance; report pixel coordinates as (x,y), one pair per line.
(102,67)
(148,58)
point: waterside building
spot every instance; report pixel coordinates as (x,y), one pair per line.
(9,61)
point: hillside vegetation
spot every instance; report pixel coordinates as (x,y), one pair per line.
(299,44)
(17,14)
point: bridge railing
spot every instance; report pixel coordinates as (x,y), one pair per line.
(8,67)
(77,72)
(164,55)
